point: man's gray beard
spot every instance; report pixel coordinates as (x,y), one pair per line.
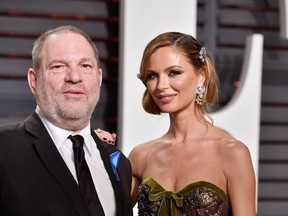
(60,114)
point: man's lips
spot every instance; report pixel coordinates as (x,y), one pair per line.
(74,93)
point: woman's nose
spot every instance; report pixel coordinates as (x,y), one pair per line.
(162,82)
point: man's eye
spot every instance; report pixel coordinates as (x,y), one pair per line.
(87,68)
(58,68)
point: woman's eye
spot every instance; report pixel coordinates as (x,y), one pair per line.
(151,75)
(174,73)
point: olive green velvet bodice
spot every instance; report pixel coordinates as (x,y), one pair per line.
(200,198)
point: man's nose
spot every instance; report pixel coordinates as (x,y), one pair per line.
(74,75)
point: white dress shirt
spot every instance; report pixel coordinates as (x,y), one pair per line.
(92,155)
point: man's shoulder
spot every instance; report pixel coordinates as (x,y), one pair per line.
(11,127)
(111,148)
(10,135)
(32,119)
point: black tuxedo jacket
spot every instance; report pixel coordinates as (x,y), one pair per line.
(35,181)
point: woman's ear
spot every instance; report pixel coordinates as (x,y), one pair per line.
(201,79)
(32,79)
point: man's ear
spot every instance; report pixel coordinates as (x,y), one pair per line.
(100,75)
(32,79)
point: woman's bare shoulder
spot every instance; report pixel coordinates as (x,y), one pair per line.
(230,147)
(139,157)
(143,148)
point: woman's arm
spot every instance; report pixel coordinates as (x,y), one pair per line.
(241,179)
(136,156)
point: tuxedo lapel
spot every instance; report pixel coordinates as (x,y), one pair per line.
(117,187)
(54,163)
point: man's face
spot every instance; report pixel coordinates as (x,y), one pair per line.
(67,86)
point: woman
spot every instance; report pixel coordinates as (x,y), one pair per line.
(195,168)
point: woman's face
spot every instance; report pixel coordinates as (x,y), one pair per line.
(172,80)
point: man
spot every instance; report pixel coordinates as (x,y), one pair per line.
(38,174)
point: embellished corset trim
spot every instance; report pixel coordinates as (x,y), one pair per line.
(199,198)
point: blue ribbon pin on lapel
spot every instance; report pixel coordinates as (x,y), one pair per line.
(114,160)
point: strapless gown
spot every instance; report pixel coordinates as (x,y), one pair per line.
(196,199)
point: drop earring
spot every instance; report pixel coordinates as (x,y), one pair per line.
(200,91)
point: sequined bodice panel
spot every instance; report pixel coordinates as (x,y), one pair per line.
(196,199)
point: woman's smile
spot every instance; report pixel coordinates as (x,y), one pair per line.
(167,98)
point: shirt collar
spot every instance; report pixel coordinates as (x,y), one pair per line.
(59,135)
